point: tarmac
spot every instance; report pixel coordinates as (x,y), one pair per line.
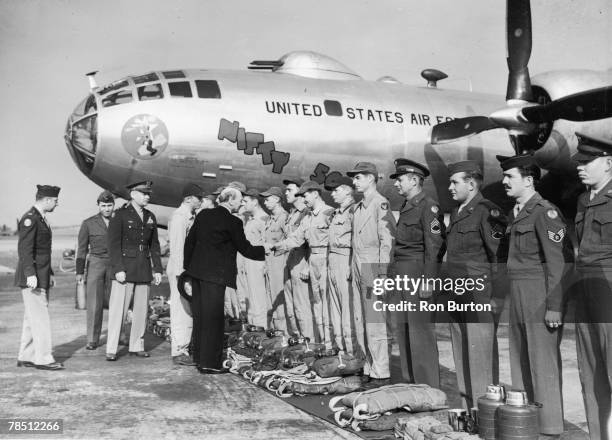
(137,398)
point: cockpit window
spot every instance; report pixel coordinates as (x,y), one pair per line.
(83,134)
(180,89)
(88,105)
(208,89)
(121,97)
(114,86)
(145,78)
(173,74)
(150,91)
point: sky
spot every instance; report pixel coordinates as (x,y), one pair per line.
(46,47)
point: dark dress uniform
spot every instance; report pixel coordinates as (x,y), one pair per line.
(538,257)
(419,248)
(475,248)
(133,245)
(34,259)
(210,259)
(92,251)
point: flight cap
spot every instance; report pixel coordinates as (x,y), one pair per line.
(47,190)
(466,166)
(522,160)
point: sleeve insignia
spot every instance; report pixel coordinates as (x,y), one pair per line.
(435,226)
(497,235)
(495,213)
(434,209)
(556,237)
(150,221)
(384,206)
(551,213)
(27,223)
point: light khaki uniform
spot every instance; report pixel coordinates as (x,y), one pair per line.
(258,302)
(276,270)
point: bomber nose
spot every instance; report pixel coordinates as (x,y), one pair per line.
(81,134)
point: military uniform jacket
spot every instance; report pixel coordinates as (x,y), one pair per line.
(420,233)
(594,230)
(341,229)
(180,222)
(92,241)
(133,244)
(475,238)
(34,250)
(254,227)
(294,220)
(313,229)
(274,230)
(373,230)
(211,246)
(539,247)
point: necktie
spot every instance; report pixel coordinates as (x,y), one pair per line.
(517,209)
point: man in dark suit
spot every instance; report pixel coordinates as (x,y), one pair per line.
(210,259)
(93,249)
(34,276)
(133,245)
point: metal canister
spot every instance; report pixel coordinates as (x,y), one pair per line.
(517,419)
(487,411)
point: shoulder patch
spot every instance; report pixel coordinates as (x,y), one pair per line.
(496,235)
(434,209)
(27,223)
(556,237)
(495,213)
(150,221)
(384,206)
(434,226)
(551,213)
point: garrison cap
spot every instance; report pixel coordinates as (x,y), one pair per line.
(237,185)
(363,168)
(591,147)
(252,193)
(309,186)
(192,189)
(296,181)
(106,197)
(273,191)
(218,191)
(336,182)
(143,187)
(523,160)
(466,166)
(405,166)
(47,190)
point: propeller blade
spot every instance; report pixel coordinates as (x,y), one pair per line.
(589,105)
(460,128)
(518,38)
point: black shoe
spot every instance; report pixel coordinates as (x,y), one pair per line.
(111,357)
(25,364)
(142,354)
(204,370)
(51,366)
(91,346)
(183,359)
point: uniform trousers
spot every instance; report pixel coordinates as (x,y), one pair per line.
(297,295)
(258,302)
(594,346)
(276,274)
(181,322)
(98,282)
(371,326)
(208,323)
(35,343)
(535,358)
(121,296)
(341,307)
(317,263)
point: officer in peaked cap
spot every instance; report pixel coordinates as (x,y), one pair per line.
(474,248)
(373,236)
(419,248)
(134,248)
(34,276)
(594,266)
(539,253)
(92,248)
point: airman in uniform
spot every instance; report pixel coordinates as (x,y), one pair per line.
(93,252)
(297,287)
(594,267)
(373,236)
(539,252)
(341,306)
(419,248)
(34,276)
(181,321)
(475,249)
(276,261)
(258,302)
(314,230)
(133,247)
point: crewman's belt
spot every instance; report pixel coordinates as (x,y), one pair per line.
(341,251)
(318,249)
